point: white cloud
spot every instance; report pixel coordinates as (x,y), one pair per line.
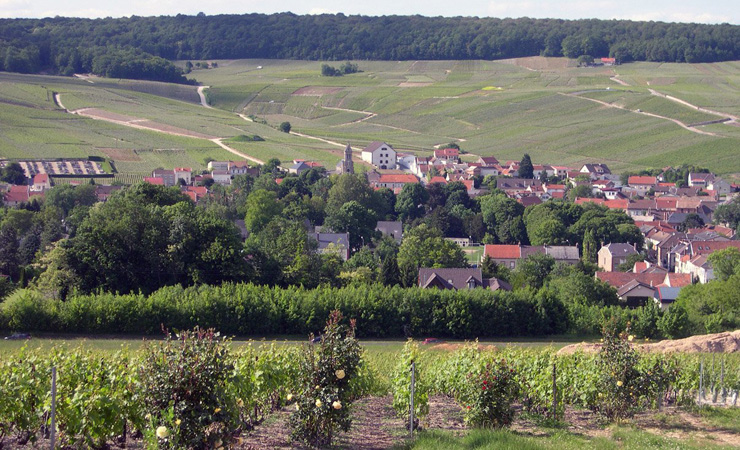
(317,11)
(680,17)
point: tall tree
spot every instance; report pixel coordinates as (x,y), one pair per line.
(590,247)
(526,169)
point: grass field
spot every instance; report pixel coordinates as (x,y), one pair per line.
(542,106)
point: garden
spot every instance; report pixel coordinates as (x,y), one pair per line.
(196,389)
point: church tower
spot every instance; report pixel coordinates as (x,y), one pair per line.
(346,165)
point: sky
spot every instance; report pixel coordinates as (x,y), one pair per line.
(717,11)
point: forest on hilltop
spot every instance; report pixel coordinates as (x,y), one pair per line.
(142,47)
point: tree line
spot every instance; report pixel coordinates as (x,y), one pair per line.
(67,45)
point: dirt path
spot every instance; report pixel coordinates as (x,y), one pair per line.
(676,121)
(698,108)
(220,143)
(616,79)
(202,96)
(369,116)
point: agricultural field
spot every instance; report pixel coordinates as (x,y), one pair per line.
(629,116)
(543,106)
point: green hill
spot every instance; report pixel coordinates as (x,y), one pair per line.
(628,116)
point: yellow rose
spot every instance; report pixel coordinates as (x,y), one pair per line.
(217,410)
(318,403)
(619,383)
(162,432)
(337,405)
(178,422)
(339,373)
(290,397)
(630,337)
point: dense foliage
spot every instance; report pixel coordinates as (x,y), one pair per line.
(185,383)
(324,394)
(106,46)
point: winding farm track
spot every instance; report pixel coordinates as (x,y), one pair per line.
(133,122)
(698,108)
(202,95)
(610,105)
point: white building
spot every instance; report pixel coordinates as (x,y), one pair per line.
(380,155)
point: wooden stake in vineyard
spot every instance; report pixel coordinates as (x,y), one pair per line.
(52,436)
(411,409)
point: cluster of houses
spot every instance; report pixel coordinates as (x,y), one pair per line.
(675,255)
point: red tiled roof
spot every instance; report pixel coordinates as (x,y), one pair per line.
(611,204)
(709,247)
(558,195)
(397,178)
(41,178)
(446,152)
(159,181)
(468,184)
(678,279)
(619,279)
(635,179)
(438,179)
(502,251)
(666,203)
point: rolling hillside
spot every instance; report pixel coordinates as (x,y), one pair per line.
(630,116)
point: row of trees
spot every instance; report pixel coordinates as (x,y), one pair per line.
(67,45)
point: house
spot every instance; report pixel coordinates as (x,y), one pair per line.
(608,61)
(333,242)
(642,184)
(450,155)
(700,179)
(222,177)
(488,161)
(395,182)
(635,289)
(393,229)
(299,166)
(218,165)
(17,194)
(612,255)
(104,192)
(157,181)
(457,279)
(167,176)
(184,174)
(665,296)
(438,179)
(514,186)
(595,171)
(510,255)
(41,182)
(620,204)
(380,155)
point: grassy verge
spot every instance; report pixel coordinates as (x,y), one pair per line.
(616,438)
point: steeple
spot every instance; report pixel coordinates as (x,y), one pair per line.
(347,164)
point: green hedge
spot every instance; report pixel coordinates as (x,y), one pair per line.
(246,309)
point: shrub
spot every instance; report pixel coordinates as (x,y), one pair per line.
(489,395)
(324,396)
(623,387)
(184,382)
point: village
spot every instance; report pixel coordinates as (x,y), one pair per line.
(675,218)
